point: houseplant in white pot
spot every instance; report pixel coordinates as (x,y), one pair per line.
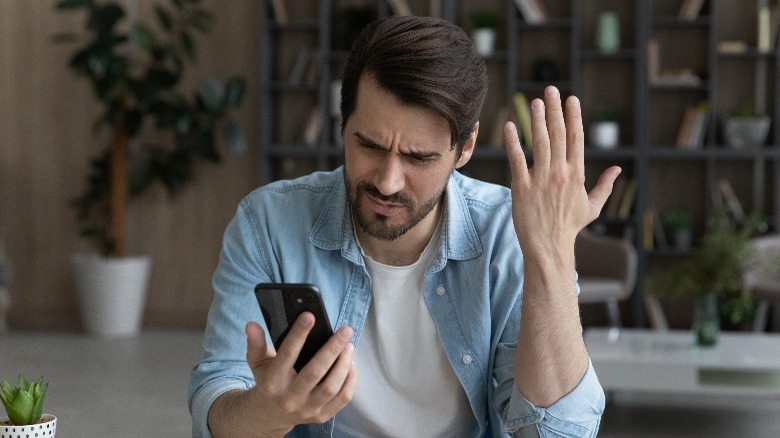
(745,128)
(483,30)
(24,406)
(605,128)
(157,133)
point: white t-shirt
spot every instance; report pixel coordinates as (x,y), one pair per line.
(406,386)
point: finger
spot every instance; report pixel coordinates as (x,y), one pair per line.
(575,134)
(257,349)
(555,126)
(293,342)
(345,394)
(599,194)
(313,372)
(331,385)
(515,154)
(541,138)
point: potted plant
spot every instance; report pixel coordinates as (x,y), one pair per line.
(483,30)
(605,127)
(680,225)
(746,128)
(24,406)
(713,275)
(136,72)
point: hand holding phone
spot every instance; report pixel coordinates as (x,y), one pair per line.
(282,303)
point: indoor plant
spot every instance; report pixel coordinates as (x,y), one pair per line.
(483,30)
(680,224)
(24,406)
(713,274)
(605,127)
(745,128)
(136,72)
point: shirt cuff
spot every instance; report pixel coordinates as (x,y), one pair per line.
(577,413)
(202,400)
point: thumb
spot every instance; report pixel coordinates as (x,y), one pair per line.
(257,349)
(599,194)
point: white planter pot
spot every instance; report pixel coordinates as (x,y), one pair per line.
(112,293)
(605,135)
(484,40)
(742,132)
(47,429)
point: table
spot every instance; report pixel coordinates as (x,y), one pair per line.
(740,364)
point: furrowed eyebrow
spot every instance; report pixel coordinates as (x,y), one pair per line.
(415,154)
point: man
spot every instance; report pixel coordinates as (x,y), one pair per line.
(420,267)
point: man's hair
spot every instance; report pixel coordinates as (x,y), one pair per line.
(422,61)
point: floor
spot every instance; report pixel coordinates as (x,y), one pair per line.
(138,387)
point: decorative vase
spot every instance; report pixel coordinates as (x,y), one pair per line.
(706,320)
(112,293)
(741,132)
(484,40)
(605,135)
(608,32)
(45,429)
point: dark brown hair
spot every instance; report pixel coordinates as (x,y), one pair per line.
(422,61)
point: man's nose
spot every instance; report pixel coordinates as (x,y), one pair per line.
(389,177)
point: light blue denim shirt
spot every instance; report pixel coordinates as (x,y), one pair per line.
(300,231)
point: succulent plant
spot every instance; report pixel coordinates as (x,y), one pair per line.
(24,403)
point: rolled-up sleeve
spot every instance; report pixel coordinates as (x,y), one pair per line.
(577,414)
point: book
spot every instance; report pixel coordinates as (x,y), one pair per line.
(533,11)
(299,67)
(524,118)
(280,12)
(690,9)
(627,200)
(763,26)
(686,126)
(400,7)
(730,200)
(310,133)
(653,60)
(693,126)
(648,230)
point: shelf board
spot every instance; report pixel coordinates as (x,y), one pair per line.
(674,21)
(591,54)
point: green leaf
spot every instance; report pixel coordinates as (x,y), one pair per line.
(235,135)
(213,93)
(144,37)
(236,89)
(163,17)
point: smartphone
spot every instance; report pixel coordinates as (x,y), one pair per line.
(281,303)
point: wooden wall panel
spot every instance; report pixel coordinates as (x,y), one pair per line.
(46,115)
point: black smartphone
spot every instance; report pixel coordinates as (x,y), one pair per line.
(281,303)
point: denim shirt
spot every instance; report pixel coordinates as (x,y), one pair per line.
(300,231)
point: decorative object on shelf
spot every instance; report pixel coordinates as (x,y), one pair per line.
(715,268)
(545,70)
(24,406)
(745,128)
(136,75)
(680,225)
(706,320)
(605,128)
(483,30)
(608,32)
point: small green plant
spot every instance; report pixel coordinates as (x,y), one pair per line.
(483,18)
(678,220)
(747,110)
(24,403)
(607,114)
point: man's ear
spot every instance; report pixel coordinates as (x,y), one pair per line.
(468,148)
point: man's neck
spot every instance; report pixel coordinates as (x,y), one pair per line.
(406,249)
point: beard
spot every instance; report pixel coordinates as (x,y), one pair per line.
(377,225)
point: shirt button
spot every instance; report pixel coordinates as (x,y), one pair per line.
(467,359)
(440,290)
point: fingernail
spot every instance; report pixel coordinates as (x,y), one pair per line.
(574,101)
(306,319)
(552,92)
(345,333)
(537,104)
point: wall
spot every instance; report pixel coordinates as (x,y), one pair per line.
(46,117)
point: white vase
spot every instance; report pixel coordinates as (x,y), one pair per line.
(112,293)
(47,429)
(484,39)
(743,132)
(605,135)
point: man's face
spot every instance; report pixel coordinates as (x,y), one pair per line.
(397,160)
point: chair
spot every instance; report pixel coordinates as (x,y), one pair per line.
(762,276)
(607,269)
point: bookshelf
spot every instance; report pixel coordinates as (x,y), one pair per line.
(665,63)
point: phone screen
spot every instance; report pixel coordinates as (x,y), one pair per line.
(282,303)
